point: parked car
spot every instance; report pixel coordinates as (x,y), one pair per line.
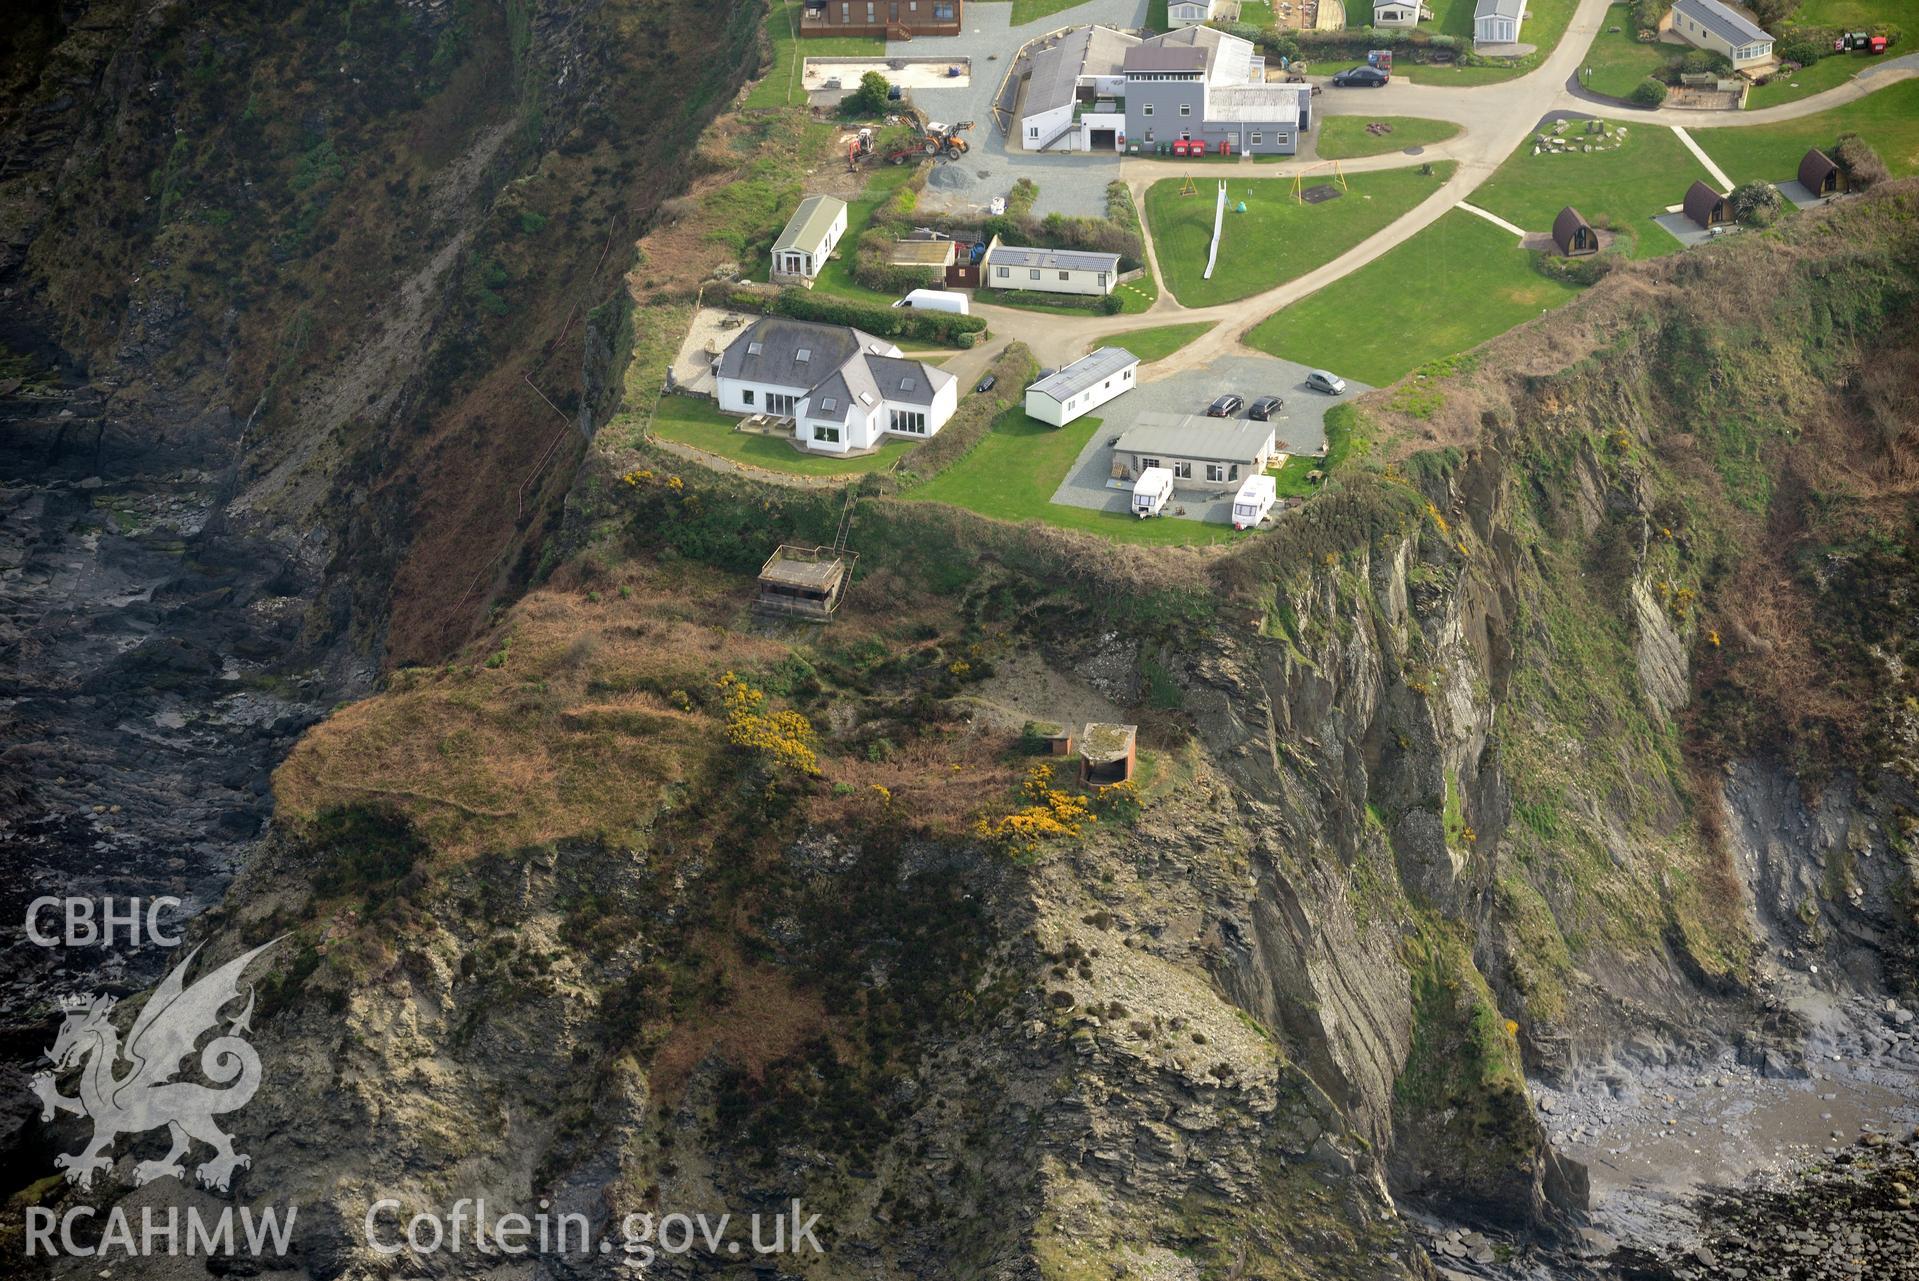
(1361,78)
(1224,406)
(988,383)
(1320,380)
(1265,407)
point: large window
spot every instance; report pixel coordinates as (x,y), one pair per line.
(1215,472)
(779,404)
(1182,470)
(830,435)
(942,12)
(909,420)
(746,396)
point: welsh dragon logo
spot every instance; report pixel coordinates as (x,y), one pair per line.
(146,1096)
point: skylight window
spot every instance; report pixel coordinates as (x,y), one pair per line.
(829,404)
(906,384)
(752,349)
(803,355)
(866,398)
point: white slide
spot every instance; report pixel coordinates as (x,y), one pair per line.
(1219,219)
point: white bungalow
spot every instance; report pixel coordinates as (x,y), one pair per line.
(1051,271)
(1082,386)
(808,239)
(844,389)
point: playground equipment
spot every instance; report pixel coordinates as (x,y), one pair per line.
(1299,179)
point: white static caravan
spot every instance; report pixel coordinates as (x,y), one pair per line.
(1254,499)
(1151,492)
(1084,385)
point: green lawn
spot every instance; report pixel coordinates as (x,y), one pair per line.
(1277,238)
(1157,343)
(1012,473)
(1626,187)
(1852,13)
(1256,13)
(1345,137)
(1156,15)
(1025,11)
(1618,61)
(1452,286)
(781,85)
(1290,480)
(1822,75)
(1888,119)
(1137,295)
(836,277)
(694,421)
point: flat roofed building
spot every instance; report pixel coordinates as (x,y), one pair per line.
(1201,452)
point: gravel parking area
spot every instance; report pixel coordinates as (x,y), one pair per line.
(1068,183)
(1300,427)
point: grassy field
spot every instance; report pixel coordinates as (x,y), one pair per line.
(1012,473)
(1256,13)
(1277,238)
(836,277)
(1452,286)
(1888,119)
(1345,137)
(1618,61)
(781,85)
(1137,295)
(1157,343)
(695,421)
(1651,170)
(1852,13)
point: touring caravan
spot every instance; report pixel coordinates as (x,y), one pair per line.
(1151,490)
(1253,501)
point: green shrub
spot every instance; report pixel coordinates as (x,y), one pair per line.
(1802,49)
(1755,203)
(1648,93)
(1860,163)
(869,99)
(1019,201)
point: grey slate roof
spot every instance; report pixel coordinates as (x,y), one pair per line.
(1165,58)
(1053,259)
(1088,371)
(1727,24)
(1503,8)
(906,382)
(1090,51)
(779,342)
(1225,440)
(810,223)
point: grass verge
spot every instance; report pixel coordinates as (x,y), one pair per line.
(1346,137)
(1157,343)
(1888,119)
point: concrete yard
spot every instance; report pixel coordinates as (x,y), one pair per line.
(712,329)
(1068,184)
(919,73)
(1300,428)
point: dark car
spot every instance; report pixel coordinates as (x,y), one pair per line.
(1224,407)
(1265,407)
(1360,78)
(988,383)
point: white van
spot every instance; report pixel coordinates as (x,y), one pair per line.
(1253,501)
(936,300)
(1151,491)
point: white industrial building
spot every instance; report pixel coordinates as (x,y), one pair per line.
(1082,386)
(844,389)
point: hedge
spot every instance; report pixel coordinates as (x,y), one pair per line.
(1099,304)
(940,327)
(872,269)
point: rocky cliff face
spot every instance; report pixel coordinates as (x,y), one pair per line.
(307,325)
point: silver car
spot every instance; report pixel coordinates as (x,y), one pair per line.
(1320,380)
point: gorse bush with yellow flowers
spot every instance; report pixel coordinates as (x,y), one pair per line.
(782,737)
(1049,813)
